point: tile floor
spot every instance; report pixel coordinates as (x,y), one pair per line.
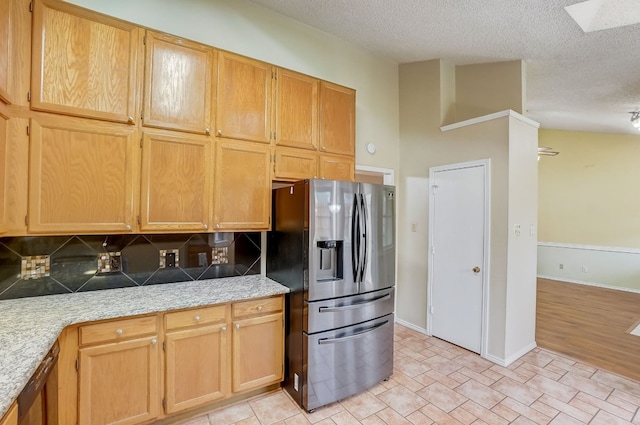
(435,382)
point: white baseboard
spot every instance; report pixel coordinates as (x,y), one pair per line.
(512,358)
(597,285)
(412,326)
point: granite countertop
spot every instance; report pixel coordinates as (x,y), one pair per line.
(30,326)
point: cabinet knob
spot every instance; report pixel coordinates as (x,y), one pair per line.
(224,329)
(207,130)
(127,227)
(323,148)
(237,325)
(218,225)
(259,308)
(154,341)
(219,132)
(130,120)
(205,226)
(197,318)
(118,331)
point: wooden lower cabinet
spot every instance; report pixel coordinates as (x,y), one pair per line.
(11,417)
(119,372)
(258,343)
(195,358)
(211,353)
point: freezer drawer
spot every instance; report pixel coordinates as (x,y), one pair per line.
(340,312)
(347,361)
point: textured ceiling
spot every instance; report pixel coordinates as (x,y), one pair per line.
(575,80)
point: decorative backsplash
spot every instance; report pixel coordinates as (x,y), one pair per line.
(45,265)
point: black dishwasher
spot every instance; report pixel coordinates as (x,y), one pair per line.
(32,401)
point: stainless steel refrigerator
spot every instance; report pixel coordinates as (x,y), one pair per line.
(333,244)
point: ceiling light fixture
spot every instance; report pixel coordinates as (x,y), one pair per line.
(635,119)
(545,150)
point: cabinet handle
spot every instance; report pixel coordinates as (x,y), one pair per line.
(130,121)
(119,331)
(153,341)
(219,132)
(197,318)
(207,130)
(259,308)
(237,325)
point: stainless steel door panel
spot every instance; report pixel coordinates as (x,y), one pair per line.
(347,361)
(337,313)
(379,268)
(330,216)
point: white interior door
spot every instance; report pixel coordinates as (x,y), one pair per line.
(457,266)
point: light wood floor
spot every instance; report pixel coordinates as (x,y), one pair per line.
(590,324)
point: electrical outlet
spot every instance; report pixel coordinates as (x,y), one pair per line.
(561,266)
(169,258)
(517,230)
(585,269)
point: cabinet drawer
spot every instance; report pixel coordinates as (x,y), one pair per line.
(196,316)
(118,330)
(259,306)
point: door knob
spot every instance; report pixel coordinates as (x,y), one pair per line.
(476,269)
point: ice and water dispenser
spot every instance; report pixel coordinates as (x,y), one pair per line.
(329,255)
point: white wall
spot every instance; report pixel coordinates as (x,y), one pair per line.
(251,30)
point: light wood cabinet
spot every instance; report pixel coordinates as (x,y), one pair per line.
(258,344)
(5,50)
(81,176)
(244,98)
(337,167)
(337,119)
(296,110)
(3,167)
(196,371)
(242,185)
(295,164)
(178,89)
(11,417)
(15,51)
(83,63)
(176,181)
(119,378)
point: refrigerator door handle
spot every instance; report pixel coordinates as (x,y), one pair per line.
(354,306)
(322,341)
(363,219)
(355,239)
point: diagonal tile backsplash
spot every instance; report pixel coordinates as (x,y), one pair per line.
(94,262)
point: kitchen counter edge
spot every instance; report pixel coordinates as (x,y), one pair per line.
(30,326)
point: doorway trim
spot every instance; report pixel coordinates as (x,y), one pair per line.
(486,163)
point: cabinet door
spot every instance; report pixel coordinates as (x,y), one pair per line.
(242,185)
(334,167)
(337,119)
(175,182)
(3,167)
(11,417)
(83,63)
(295,164)
(177,89)
(81,176)
(258,352)
(244,98)
(119,382)
(5,49)
(196,367)
(296,110)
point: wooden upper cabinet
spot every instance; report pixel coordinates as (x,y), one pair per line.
(81,176)
(84,63)
(175,181)
(3,167)
(243,109)
(296,110)
(5,49)
(242,185)
(178,89)
(337,167)
(337,119)
(295,164)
